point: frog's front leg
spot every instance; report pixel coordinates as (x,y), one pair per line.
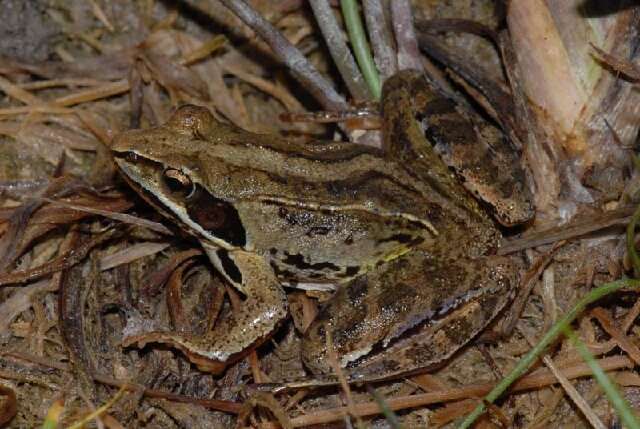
(264,306)
(411,313)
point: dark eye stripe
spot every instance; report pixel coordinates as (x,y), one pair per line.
(229,267)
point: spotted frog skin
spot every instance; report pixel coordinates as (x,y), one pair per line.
(408,246)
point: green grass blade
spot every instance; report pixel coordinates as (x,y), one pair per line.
(615,398)
(360,46)
(548,338)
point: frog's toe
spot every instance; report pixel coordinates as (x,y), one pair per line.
(314,350)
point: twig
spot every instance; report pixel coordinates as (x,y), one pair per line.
(408,52)
(631,244)
(536,380)
(571,230)
(339,50)
(284,51)
(214,404)
(381,38)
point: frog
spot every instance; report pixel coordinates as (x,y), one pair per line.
(410,250)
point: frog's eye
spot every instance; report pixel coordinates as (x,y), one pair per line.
(132,157)
(178,183)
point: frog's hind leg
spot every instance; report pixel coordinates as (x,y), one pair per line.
(264,306)
(409,314)
(474,148)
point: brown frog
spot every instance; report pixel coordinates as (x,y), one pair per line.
(408,246)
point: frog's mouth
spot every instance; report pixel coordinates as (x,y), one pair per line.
(194,209)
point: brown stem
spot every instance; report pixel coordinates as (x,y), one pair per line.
(408,52)
(381,38)
(284,51)
(340,53)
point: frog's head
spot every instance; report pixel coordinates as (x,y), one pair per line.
(169,167)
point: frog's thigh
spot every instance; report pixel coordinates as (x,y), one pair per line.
(416,311)
(264,306)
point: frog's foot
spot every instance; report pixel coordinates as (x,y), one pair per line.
(410,314)
(258,315)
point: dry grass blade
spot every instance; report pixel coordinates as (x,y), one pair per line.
(124,218)
(335,365)
(623,340)
(62,82)
(214,404)
(103,409)
(131,253)
(18,93)
(48,135)
(93,94)
(204,50)
(45,110)
(527,283)
(45,362)
(577,399)
(175,77)
(62,262)
(452,411)
(276,91)
(99,13)
(631,316)
(30,221)
(625,67)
